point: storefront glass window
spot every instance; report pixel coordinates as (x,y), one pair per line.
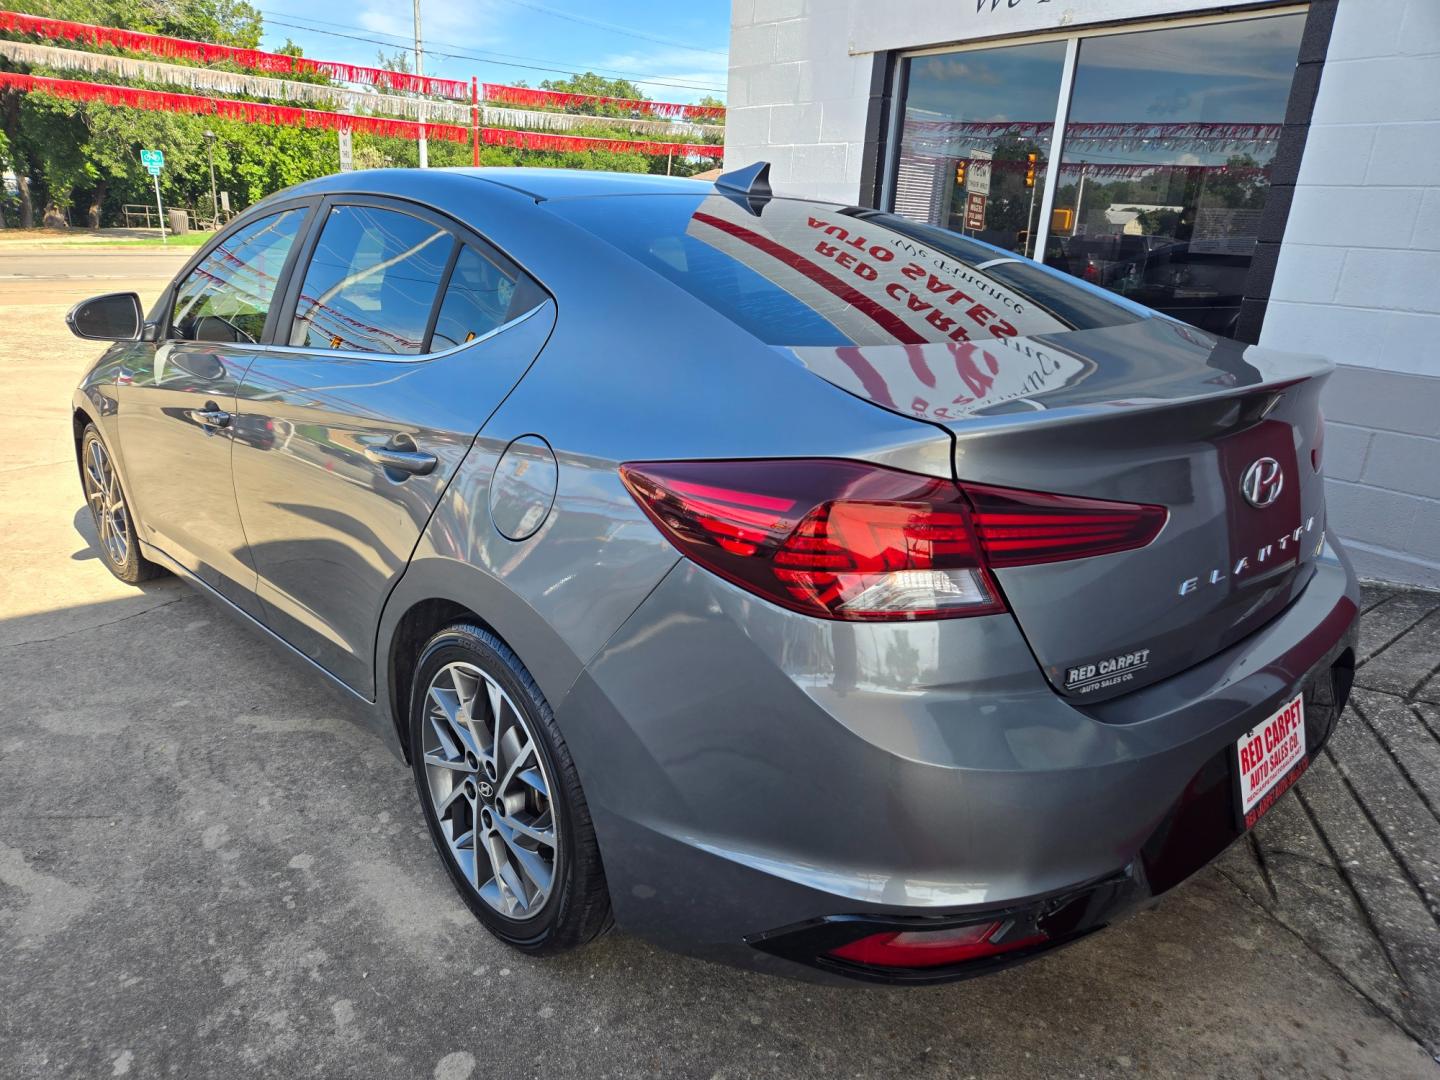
(1162,174)
(1165,166)
(975,139)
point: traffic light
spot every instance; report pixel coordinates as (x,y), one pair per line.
(1031,160)
(960,172)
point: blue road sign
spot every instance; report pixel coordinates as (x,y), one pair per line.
(154,160)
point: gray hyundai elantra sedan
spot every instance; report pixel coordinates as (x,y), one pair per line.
(789,583)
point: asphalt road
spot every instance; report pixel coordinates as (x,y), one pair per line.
(205,871)
(148,267)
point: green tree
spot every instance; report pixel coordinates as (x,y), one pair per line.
(710,101)
(83,157)
(596,85)
(225,22)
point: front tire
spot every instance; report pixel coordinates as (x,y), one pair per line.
(114,524)
(501,796)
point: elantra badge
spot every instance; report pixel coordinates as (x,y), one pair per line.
(1262,483)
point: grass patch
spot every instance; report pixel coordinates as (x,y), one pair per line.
(190,240)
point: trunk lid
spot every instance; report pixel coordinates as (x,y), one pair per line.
(1151,411)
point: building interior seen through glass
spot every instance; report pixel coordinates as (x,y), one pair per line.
(972,121)
(1163,170)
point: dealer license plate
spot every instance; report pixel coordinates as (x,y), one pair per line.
(1269,758)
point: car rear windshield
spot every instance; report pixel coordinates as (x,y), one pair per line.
(796,273)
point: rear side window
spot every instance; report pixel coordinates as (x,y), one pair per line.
(372,282)
(478,298)
(227,296)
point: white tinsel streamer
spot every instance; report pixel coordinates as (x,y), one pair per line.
(324,96)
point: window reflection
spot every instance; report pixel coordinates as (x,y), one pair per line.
(227,297)
(1165,167)
(477,300)
(371,283)
(975,141)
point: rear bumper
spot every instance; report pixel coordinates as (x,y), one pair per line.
(762,782)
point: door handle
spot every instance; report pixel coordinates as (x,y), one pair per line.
(210,417)
(415,462)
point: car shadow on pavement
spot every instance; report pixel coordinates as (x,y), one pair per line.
(85,525)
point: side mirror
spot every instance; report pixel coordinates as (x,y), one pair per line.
(112,317)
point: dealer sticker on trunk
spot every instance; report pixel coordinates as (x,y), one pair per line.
(1268,755)
(1103,674)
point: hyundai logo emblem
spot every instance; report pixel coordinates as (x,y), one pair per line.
(1262,482)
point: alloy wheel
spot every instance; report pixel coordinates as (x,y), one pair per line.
(107,502)
(490,790)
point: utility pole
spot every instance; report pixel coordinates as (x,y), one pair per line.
(420,70)
(214,196)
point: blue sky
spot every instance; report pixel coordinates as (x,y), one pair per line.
(680,48)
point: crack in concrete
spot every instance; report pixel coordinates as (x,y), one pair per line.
(1397,1019)
(1366,915)
(1391,641)
(1424,723)
(1398,761)
(95,626)
(1263,865)
(1383,836)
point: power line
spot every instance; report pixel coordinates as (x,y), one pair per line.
(538,64)
(611,27)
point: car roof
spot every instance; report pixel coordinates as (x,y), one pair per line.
(542,185)
(546,184)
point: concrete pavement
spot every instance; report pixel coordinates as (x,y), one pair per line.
(205,871)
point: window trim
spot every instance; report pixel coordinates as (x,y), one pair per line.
(1259,10)
(165,306)
(286,326)
(275,348)
(460,234)
(1258,283)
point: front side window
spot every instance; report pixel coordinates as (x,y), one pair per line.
(226,298)
(371,283)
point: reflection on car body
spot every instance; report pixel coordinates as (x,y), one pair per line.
(709,555)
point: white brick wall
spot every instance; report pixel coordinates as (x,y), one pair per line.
(1359,280)
(797,97)
(1359,273)
(1360,267)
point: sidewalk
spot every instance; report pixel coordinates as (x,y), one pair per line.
(13,239)
(1351,866)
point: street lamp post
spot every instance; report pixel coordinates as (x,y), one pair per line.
(420,70)
(214,196)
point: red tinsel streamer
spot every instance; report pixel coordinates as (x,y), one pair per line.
(281,64)
(1221,130)
(250,112)
(206,53)
(255,112)
(540,140)
(521,95)
(1131,170)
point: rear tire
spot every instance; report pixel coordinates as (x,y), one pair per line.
(502,799)
(114,524)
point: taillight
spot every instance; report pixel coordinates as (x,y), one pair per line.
(847,540)
(1021,528)
(933,948)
